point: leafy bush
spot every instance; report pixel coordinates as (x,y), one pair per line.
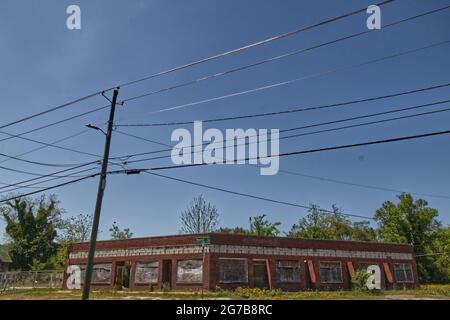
(360,280)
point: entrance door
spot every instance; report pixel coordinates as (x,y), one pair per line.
(122,277)
(119,276)
(167,273)
(260,275)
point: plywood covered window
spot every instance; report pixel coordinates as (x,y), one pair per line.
(403,273)
(288,271)
(190,271)
(330,272)
(233,270)
(146,272)
(101,273)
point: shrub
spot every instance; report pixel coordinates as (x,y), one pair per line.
(360,280)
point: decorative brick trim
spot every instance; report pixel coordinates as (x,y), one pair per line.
(248,250)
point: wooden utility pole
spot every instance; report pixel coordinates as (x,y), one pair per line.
(98,204)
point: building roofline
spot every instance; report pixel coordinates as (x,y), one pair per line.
(212,234)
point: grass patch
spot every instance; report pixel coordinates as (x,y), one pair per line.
(428,291)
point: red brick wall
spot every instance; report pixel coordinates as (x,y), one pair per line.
(211,272)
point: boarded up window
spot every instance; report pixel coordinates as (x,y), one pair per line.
(288,271)
(146,272)
(190,271)
(233,271)
(403,273)
(101,273)
(330,272)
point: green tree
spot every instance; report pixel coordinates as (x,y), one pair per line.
(72,230)
(410,221)
(320,224)
(76,229)
(31,226)
(118,234)
(199,217)
(438,256)
(235,230)
(259,226)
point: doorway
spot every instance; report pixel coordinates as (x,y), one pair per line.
(260,279)
(166,274)
(122,275)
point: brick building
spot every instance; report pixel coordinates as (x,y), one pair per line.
(232,260)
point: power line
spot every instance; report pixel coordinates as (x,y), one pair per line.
(252,45)
(214,57)
(283,83)
(98,109)
(52,145)
(276,58)
(432,254)
(302,127)
(188,182)
(45,164)
(372,187)
(55,123)
(254,196)
(338,147)
(295,110)
(31,185)
(49,188)
(139,138)
(48,110)
(40,176)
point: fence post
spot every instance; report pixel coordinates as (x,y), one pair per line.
(34,279)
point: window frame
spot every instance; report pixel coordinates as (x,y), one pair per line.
(233,282)
(189,282)
(298,271)
(341,272)
(410,268)
(146,261)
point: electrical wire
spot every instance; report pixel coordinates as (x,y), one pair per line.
(49,188)
(292,81)
(247,195)
(55,123)
(48,110)
(214,57)
(31,185)
(52,145)
(40,176)
(295,110)
(297,128)
(433,254)
(316,150)
(252,45)
(278,57)
(38,163)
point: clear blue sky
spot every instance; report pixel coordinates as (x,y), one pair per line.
(43,64)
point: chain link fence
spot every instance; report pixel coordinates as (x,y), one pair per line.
(31,280)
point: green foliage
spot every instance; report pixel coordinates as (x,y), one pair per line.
(118,234)
(319,224)
(360,280)
(250,293)
(438,257)
(31,226)
(76,229)
(412,221)
(199,217)
(236,230)
(259,226)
